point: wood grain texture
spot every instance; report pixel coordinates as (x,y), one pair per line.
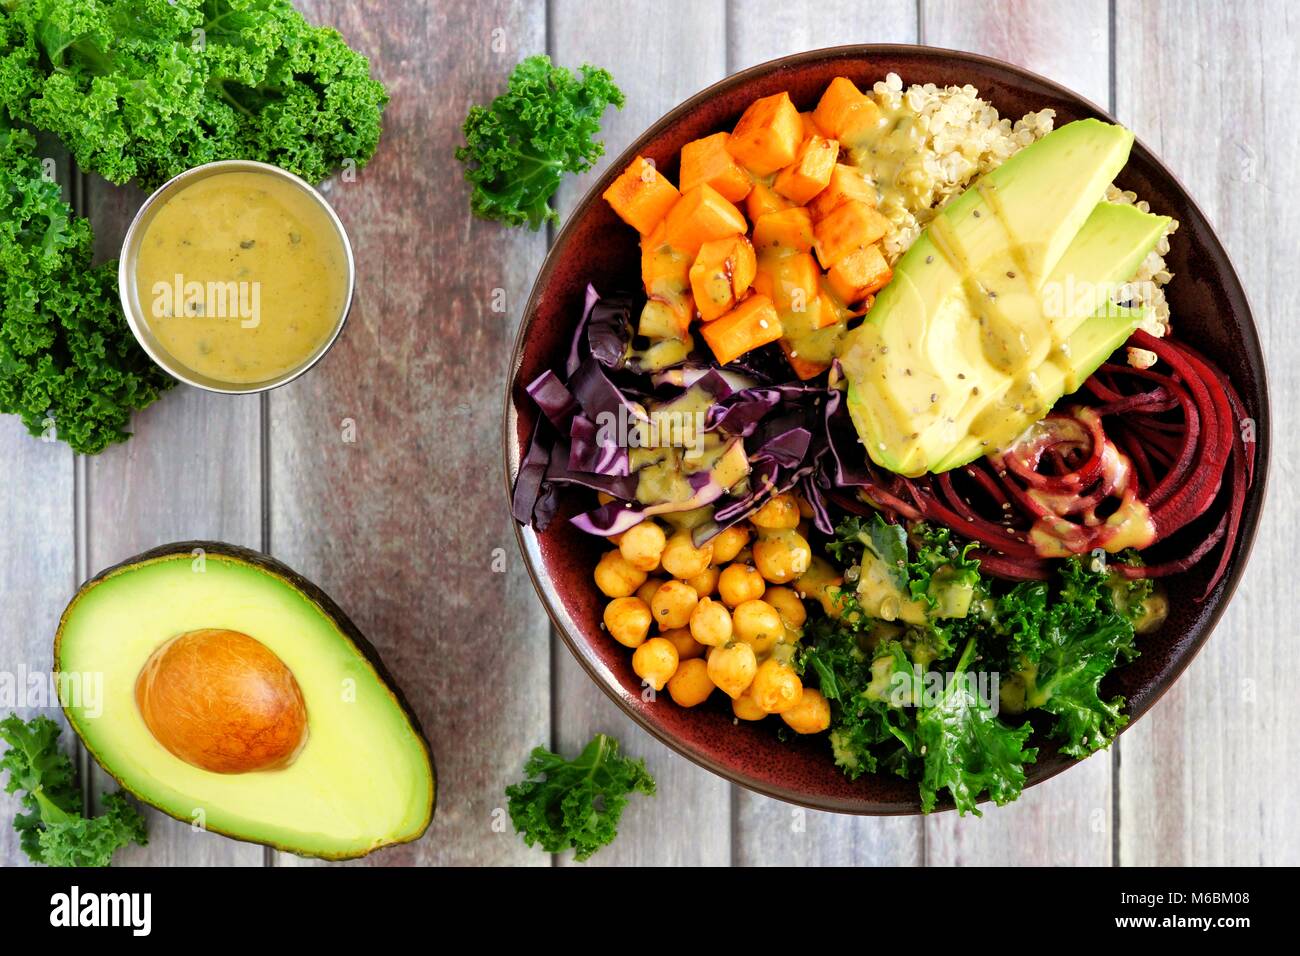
(192,470)
(659,54)
(1066,820)
(37,575)
(406,525)
(1210,777)
(770,832)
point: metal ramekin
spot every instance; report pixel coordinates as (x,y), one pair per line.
(135,312)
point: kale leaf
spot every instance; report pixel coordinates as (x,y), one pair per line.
(52,830)
(145,89)
(519,149)
(578,803)
(69,366)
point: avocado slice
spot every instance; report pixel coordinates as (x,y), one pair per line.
(953,353)
(362,776)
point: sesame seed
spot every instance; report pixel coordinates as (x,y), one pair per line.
(929,259)
(762,323)
(1010,274)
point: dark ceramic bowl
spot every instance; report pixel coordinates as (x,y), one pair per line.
(1209,309)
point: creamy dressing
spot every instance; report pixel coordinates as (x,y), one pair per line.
(241,277)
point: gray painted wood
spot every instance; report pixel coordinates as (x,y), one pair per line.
(660,54)
(770,832)
(1066,820)
(1209,776)
(406,526)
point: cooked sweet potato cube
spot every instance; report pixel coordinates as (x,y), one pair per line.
(700,215)
(788,229)
(707,162)
(768,135)
(763,199)
(810,173)
(641,196)
(859,274)
(825,311)
(803,368)
(852,226)
(752,323)
(666,317)
(809,124)
(791,282)
(846,113)
(662,266)
(846,182)
(721,275)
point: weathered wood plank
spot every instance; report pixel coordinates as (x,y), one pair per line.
(767,831)
(36,579)
(1209,776)
(1066,820)
(659,54)
(385,461)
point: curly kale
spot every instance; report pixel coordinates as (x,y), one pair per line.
(145,89)
(52,830)
(576,804)
(518,149)
(69,367)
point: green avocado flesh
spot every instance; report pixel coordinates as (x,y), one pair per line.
(364,778)
(1000,307)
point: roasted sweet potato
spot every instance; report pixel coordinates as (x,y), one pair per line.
(763,199)
(768,135)
(851,226)
(721,275)
(791,282)
(700,215)
(846,182)
(707,162)
(752,323)
(859,274)
(787,229)
(845,113)
(811,171)
(802,367)
(641,196)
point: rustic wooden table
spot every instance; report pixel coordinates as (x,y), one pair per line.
(406,525)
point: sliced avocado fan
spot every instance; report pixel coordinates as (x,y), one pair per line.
(974,339)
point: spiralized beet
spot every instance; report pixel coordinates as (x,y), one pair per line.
(1144,460)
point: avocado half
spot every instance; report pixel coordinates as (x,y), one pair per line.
(364,778)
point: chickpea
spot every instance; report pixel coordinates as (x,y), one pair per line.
(745,709)
(706,582)
(757,624)
(655,662)
(788,605)
(682,559)
(642,545)
(739,583)
(628,620)
(732,668)
(711,623)
(615,577)
(687,646)
(673,603)
(691,684)
(782,558)
(811,715)
(780,513)
(776,687)
(646,592)
(727,544)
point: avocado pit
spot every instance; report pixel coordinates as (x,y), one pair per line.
(223,702)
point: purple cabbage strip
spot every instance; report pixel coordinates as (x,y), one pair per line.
(553,398)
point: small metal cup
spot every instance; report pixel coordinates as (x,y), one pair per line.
(135,311)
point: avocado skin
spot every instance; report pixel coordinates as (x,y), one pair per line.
(278,569)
